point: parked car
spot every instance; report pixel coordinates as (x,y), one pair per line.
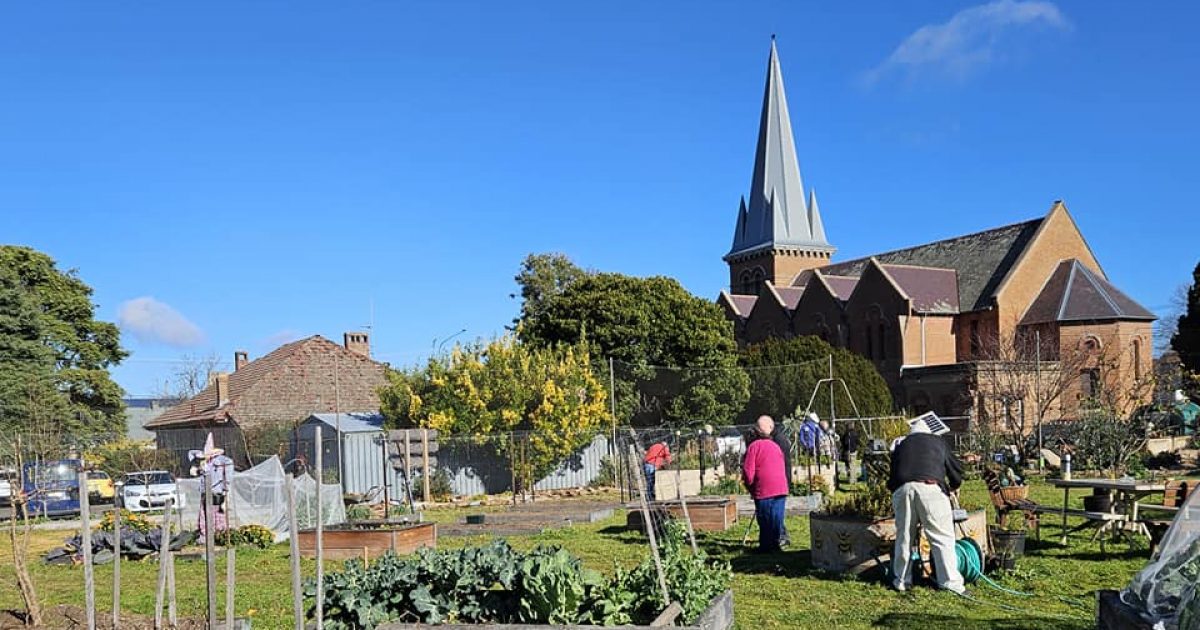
(52,487)
(8,481)
(100,487)
(149,490)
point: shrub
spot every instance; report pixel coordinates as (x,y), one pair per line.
(129,521)
(725,486)
(358,512)
(607,476)
(246,536)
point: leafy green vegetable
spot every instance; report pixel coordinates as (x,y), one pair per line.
(496,584)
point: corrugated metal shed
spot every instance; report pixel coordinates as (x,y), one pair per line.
(363,460)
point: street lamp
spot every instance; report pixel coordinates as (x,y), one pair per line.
(438,346)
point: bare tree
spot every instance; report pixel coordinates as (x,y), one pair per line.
(20,542)
(1024,378)
(190,377)
(1165,326)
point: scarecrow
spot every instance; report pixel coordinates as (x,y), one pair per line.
(212,464)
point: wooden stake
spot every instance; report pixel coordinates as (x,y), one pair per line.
(294,543)
(116,605)
(172,608)
(687,518)
(230,569)
(210,553)
(320,617)
(425,463)
(164,551)
(89,577)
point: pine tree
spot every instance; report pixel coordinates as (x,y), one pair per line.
(1186,340)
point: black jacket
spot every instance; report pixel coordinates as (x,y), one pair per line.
(779,437)
(922,456)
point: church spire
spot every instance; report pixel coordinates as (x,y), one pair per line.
(777,215)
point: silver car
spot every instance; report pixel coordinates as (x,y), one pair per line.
(150,490)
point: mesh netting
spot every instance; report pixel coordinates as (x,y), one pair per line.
(1167,589)
(258,496)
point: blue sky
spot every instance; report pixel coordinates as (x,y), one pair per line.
(234,175)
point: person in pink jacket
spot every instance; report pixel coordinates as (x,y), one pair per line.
(765,478)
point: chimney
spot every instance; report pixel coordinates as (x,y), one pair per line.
(240,359)
(222,381)
(359,343)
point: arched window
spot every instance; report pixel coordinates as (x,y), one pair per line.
(747,280)
(1090,344)
(1137,359)
(759,276)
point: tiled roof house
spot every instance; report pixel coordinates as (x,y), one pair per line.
(274,393)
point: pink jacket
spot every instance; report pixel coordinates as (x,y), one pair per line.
(763,470)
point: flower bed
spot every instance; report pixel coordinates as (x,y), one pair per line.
(368,539)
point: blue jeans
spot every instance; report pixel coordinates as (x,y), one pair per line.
(649,471)
(769,513)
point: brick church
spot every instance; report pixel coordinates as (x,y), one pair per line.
(1002,324)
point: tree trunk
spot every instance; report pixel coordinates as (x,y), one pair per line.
(33,610)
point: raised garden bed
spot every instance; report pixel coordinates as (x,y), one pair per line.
(368,539)
(707,514)
(841,544)
(718,616)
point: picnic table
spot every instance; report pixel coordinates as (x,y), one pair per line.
(1121,517)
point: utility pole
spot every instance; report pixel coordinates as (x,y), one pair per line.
(1037,393)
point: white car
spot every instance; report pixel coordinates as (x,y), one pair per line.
(150,490)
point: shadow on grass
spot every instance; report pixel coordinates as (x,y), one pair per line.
(946,622)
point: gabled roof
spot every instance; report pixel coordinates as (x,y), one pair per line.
(778,214)
(981,260)
(740,305)
(1075,293)
(283,362)
(790,296)
(351,422)
(840,286)
(931,290)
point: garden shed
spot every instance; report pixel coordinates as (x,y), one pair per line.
(354,449)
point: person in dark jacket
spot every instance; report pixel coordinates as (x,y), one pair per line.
(779,436)
(924,471)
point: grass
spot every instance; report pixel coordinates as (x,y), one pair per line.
(781,591)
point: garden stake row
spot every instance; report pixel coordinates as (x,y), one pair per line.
(649,526)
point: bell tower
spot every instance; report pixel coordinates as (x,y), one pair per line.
(779,233)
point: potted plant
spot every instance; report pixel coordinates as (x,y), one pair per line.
(1099,501)
(1008,542)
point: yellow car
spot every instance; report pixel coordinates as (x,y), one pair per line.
(100,486)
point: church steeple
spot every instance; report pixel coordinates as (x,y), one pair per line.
(777,223)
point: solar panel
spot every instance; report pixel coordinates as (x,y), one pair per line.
(932,422)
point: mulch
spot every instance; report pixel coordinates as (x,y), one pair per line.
(75,617)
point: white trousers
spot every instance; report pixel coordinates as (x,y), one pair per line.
(917,503)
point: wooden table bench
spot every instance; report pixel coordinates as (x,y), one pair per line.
(1111,523)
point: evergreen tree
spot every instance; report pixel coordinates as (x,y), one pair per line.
(1186,340)
(54,356)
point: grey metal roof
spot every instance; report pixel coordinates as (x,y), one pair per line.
(351,421)
(777,215)
(982,260)
(1075,293)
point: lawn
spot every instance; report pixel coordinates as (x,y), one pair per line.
(780,591)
